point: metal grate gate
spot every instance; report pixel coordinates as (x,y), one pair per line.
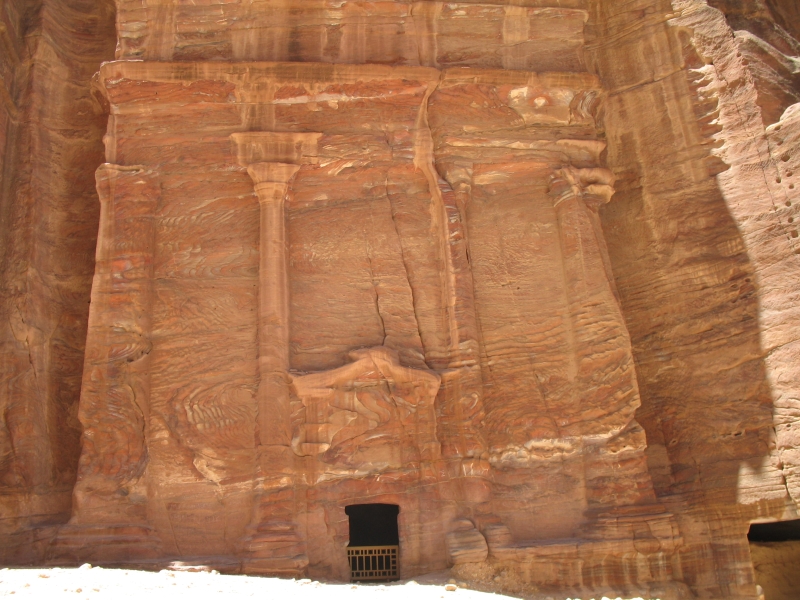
(372,563)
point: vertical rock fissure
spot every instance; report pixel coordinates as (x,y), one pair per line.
(404,258)
(375,294)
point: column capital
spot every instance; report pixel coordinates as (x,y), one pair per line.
(271,174)
(273,158)
(457,174)
(275,147)
(107,174)
(593,186)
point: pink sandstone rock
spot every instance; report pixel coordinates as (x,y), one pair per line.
(527,270)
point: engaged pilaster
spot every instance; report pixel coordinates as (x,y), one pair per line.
(272,181)
(459,177)
(462,409)
(272,160)
(604,377)
(577,195)
(110,501)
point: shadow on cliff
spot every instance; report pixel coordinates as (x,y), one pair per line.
(689,288)
(52,212)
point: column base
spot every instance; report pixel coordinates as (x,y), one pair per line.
(274,549)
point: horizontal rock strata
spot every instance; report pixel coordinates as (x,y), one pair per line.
(525,270)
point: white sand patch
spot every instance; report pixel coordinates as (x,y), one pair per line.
(95,583)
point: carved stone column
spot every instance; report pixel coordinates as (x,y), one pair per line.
(603,374)
(273,545)
(463,383)
(459,176)
(110,501)
(272,182)
(577,195)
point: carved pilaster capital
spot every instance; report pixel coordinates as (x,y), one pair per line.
(273,159)
(458,175)
(107,174)
(593,186)
(272,146)
(272,180)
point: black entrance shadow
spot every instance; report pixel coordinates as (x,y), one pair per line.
(374,542)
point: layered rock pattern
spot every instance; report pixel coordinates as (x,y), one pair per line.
(51,138)
(526,271)
(368,223)
(697,268)
(526,35)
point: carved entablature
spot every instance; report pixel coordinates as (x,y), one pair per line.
(481,124)
(275,147)
(366,417)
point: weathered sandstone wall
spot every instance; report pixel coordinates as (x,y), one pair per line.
(775,567)
(11,39)
(526,270)
(52,143)
(530,35)
(702,243)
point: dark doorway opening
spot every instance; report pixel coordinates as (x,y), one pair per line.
(775,551)
(373,524)
(374,542)
(782,531)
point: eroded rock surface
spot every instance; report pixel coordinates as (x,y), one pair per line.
(526,270)
(50,145)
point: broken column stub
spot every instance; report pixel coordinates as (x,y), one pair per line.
(603,352)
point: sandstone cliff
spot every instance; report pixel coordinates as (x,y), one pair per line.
(526,270)
(51,140)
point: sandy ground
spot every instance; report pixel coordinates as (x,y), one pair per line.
(95,583)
